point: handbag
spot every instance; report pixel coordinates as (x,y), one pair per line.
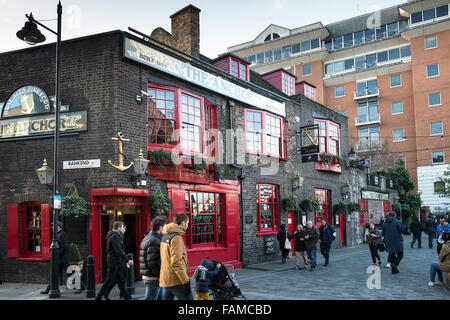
(287,243)
(381,247)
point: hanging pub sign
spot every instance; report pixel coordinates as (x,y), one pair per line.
(28,111)
(309,137)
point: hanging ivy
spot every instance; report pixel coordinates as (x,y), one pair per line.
(74,205)
(341,208)
(291,203)
(353,207)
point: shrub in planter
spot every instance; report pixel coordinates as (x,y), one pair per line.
(341,208)
(291,203)
(74,205)
(160,203)
(353,207)
(75,252)
(309,205)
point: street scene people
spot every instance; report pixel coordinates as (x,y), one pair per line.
(443,264)
(392,236)
(285,244)
(202,277)
(150,258)
(443,226)
(311,239)
(416,230)
(326,238)
(430,230)
(299,247)
(64,255)
(174,277)
(373,236)
(116,261)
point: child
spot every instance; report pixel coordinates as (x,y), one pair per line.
(201,276)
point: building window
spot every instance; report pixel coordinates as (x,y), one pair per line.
(268,206)
(431,42)
(434,99)
(329,136)
(369,138)
(238,69)
(436,128)
(364,214)
(397,107)
(265,134)
(368,112)
(306,69)
(429,14)
(323,211)
(268,56)
(288,84)
(399,135)
(31,240)
(432,70)
(367,88)
(396,81)
(439,186)
(340,92)
(206,216)
(310,92)
(172,109)
(400,161)
(438,157)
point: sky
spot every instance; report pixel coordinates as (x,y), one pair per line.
(222,23)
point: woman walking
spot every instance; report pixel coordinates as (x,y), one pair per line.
(373,237)
(299,246)
(285,244)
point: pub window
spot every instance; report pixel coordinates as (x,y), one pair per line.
(364,214)
(329,136)
(268,206)
(206,216)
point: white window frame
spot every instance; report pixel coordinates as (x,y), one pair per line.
(403,135)
(390,81)
(435,105)
(435,76)
(440,133)
(307,74)
(336,96)
(392,105)
(443,157)
(430,48)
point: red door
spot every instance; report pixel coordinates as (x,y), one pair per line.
(342,228)
(292,224)
(324,197)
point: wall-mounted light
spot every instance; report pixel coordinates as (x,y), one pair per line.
(297,182)
(45,174)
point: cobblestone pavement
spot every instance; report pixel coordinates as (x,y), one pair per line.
(344,279)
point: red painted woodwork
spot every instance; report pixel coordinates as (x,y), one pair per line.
(327,166)
(386,208)
(12,221)
(45,231)
(292,225)
(364,214)
(142,221)
(324,197)
(276,79)
(342,229)
(225,62)
(272,227)
(228,251)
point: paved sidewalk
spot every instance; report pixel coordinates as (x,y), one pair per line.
(344,279)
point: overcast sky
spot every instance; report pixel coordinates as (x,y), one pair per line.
(222,23)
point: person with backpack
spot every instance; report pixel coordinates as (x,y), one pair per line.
(285,244)
(173,277)
(150,258)
(202,275)
(430,230)
(326,237)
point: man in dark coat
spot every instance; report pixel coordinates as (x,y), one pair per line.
(392,236)
(150,258)
(64,255)
(311,238)
(430,229)
(416,230)
(282,236)
(116,260)
(326,237)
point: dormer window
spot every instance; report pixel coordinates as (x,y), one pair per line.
(233,65)
(288,84)
(238,69)
(307,89)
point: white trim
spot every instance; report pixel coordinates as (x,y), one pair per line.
(390,81)
(434,76)
(392,112)
(430,48)
(435,105)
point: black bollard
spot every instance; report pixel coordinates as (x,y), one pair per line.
(130,276)
(90,279)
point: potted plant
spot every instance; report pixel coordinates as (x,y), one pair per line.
(290,203)
(341,208)
(160,203)
(326,157)
(74,205)
(309,205)
(76,259)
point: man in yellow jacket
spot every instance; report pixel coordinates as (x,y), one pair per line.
(174,277)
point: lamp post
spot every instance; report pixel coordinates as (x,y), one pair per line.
(31,35)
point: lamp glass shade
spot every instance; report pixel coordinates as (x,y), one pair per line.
(30,33)
(45,174)
(140,164)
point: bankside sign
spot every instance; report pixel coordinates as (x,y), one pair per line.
(81,164)
(144,54)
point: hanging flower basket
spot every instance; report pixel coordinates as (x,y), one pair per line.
(74,205)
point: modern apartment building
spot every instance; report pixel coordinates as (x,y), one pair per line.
(387,71)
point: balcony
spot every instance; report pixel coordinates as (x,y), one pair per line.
(365,121)
(365,94)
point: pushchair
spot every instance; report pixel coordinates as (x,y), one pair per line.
(224,286)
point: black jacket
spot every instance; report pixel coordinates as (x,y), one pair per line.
(281,236)
(416,227)
(311,242)
(64,255)
(430,226)
(299,244)
(149,255)
(328,231)
(115,248)
(392,233)
(202,280)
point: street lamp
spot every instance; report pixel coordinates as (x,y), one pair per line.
(31,35)
(45,174)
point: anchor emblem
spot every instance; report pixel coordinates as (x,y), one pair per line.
(120,167)
(306,133)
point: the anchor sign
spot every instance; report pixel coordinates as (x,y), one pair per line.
(306,133)
(120,167)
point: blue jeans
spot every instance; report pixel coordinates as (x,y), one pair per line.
(325,250)
(312,257)
(434,268)
(177,291)
(152,290)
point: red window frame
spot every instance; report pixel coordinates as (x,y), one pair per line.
(268,202)
(200,230)
(364,214)
(329,140)
(287,84)
(207,141)
(323,211)
(386,208)
(267,134)
(238,69)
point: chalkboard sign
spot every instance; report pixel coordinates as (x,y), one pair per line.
(269,245)
(75,228)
